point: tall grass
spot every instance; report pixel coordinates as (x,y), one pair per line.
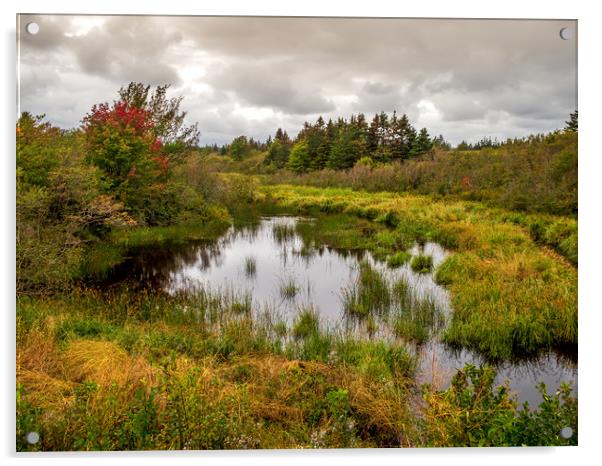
(113,377)
(288,288)
(250,266)
(398,259)
(415,318)
(538,174)
(133,384)
(369,294)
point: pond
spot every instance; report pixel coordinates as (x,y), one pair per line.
(271,264)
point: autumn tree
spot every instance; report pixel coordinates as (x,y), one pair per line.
(136,141)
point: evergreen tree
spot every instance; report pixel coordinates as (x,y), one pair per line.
(441,143)
(282,136)
(298,160)
(239,147)
(572,125)
(372,136)
(347,148)
(402,136)
(422,144)
(277,154)
(381,127)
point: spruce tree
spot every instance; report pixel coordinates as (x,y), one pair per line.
(298,160)
(572,125)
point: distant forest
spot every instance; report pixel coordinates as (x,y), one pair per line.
(343,143)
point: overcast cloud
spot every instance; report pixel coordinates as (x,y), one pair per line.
(464,79)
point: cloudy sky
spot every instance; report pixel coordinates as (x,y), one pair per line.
(464,79)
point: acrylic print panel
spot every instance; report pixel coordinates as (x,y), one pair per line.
(270,232)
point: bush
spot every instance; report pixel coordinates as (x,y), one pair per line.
(474,413)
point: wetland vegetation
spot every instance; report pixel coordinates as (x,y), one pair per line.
(263,296)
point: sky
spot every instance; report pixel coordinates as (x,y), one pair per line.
(464,79)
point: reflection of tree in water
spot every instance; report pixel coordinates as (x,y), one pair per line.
(552,365)
(150,267)
(248,232)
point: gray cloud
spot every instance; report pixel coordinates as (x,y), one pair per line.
(270,85)
(463,78)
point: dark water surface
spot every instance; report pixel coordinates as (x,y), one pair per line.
(259,260)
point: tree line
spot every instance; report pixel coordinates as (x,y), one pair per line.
(339,144)
(342,143)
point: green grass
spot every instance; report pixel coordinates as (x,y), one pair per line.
(415,319)
(119,378)
(103,256)
(146,236)
(368,295)
(398,259)
(422,263)
(123,371)
(306,324)
(289,288)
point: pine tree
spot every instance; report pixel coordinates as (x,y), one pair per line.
(422,144)
(441,143)
(298,160)
(572,124)
(402,136)
(372,136)
(278,154)
(347,148)
(239,147)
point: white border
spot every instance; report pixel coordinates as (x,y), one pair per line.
(590,195)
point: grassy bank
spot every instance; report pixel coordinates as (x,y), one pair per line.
(121,370)
(511,295)
(137,371)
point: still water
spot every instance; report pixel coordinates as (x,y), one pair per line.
(260,260)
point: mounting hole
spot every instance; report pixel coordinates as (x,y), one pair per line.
(32,438)
(32,28)
(566,33)
(566,432)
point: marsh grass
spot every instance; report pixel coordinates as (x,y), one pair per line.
(422,263)
(306,324)
(415,318)
(289,288)
(242,304)
(116,376)
(369,294)
(250,266)
(116,384)
(500,309)
(346,232)
(398,259)
(283,233)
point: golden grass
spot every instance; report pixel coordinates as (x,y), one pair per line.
(104,362)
